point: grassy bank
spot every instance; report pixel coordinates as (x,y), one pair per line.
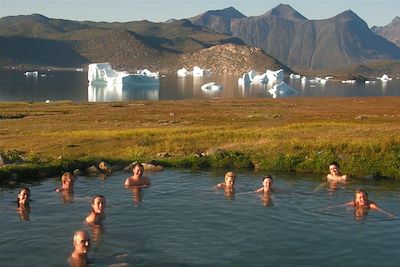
(295,134)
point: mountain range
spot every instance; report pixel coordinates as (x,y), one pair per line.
(220,40)
(390,31)
(300,43)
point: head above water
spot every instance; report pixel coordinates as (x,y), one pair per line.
(360,197)
(81,242)
(230,178)
(98,204)
(138,168)
(24,196)
(67,180)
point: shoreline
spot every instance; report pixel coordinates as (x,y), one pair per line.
(292,134)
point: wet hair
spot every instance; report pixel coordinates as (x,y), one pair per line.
(360,190)
(230,174)
(137,164)
(334,163)
(268,177)
(96,196)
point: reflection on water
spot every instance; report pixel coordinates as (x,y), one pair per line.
(64,85)
(121,92)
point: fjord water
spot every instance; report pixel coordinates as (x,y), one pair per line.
(73,85)
(182,221)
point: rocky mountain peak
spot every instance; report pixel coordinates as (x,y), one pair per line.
(285,12)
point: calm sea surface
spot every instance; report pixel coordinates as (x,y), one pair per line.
(62,85)
(182,221)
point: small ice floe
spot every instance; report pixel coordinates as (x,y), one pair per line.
(349,81)
(211,87)
(43,75)
(79,69)
(282,89)
(183,72)
(385,78)
(31,73)
(294,76)
(199,72)
(303,79)
(370,82)
(47,101)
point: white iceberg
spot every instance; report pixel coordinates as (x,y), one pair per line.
(103,74)
(31,74)
(385,78)
(349,81)
(183,72)
(275,76)
(211,87)
(294,76)
(282,89)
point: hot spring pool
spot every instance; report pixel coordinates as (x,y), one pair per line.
(182,221)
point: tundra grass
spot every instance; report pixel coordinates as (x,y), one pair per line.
(296,134)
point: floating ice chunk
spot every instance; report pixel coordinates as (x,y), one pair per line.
(31,74)
(385,78)
(294,76)
(211,87)
(370,82)
(282,89)
(349,81)
(183,72)
(260,78)
(102,74)
(303,79)
(275,76)
(197,72)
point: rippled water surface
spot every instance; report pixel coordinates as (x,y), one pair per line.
(182,221)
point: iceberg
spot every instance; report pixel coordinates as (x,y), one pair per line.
(211,87)
(294,76)
(275,76)
(31,74)
(282,89)
(183,72)
(196,72)
(103,74)
(385,78)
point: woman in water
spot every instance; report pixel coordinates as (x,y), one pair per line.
(97,215)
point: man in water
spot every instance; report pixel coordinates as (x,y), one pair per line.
(78,257)
(335,175)
(137,179)
(67,181)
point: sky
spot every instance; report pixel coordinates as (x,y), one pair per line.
(373,12)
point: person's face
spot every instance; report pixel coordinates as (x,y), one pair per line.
(68,184)
(99,205)
(229,181)
(361,199)
(23,196)
(82,243)
(334,170)
(138,171)
(267,183)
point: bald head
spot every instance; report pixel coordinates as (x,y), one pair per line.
(81,242)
